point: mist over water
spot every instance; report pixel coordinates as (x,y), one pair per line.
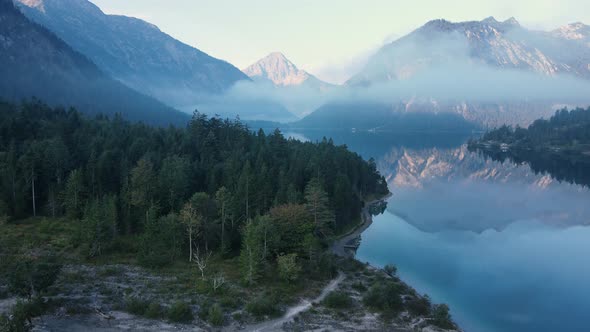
(506,248)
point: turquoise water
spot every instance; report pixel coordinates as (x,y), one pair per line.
(506,248)
(527,277)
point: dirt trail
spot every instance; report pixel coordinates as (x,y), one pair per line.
(274,325)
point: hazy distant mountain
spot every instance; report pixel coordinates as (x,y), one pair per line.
(135,52)
(504,45)
(36,63)
(275,68)
(446,67)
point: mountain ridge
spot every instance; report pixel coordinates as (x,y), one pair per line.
(34,62)
(134,51)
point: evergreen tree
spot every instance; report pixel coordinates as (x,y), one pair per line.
(317,204)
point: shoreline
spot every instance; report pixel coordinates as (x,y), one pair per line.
(342,246)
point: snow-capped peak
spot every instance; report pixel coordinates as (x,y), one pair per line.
(276,68)
(37,4)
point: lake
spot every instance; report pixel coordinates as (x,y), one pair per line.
(506,248)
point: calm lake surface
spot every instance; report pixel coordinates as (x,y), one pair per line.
(506,248)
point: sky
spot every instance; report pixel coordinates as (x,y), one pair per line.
(328,38)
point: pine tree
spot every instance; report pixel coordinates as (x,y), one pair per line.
(317,204)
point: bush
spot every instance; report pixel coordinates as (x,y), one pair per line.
(30,277)
(215,316)
(22,312)
(442,318)
(390,270)
(180,312)
(385,298)
(154,311)
(419,305)
(289,269)
(263,306)
(337,300)
(136,306)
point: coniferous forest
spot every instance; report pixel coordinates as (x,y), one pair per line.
(211,186)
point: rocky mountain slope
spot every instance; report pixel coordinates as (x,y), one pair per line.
(275,68)
(36,63)
(134,51)
(487,72)
(503,45)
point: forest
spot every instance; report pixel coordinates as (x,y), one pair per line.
(564,129)
(559,146)
(179,193)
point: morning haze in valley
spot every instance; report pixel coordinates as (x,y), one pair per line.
(294,165)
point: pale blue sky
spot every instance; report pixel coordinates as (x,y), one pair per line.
(329,38)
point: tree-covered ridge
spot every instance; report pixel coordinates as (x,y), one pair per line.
(565,129)
(559,146)
(197,187)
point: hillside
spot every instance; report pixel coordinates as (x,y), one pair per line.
(135,52)
(36,63)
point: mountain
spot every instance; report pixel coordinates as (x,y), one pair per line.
(36,63)
(502,45)
(135,52)
(278,80)
(490,73)
(275,68)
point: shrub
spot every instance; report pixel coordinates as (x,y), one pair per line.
(289,269)
(390,270)
(419,305)
(136,306)
(385,298)
(154,311)
(180,312)
(263,306)
(215,316)
(30,277)
(337,300)
(441,317)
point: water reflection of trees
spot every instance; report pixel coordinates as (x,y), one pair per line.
(562,167)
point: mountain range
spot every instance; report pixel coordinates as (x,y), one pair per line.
(36,63)
(501,45)
(135,52)
(85,46)
(469,59)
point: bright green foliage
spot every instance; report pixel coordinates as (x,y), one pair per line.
(289,268)
(251,253)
